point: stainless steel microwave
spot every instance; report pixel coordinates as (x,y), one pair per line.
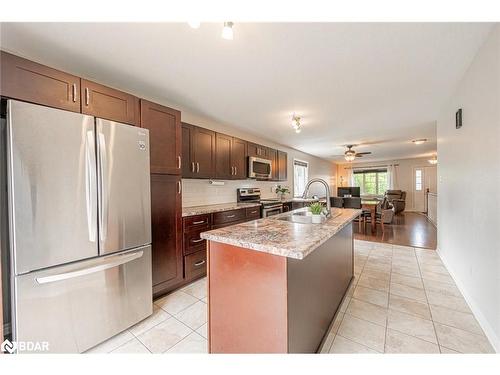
(259,168)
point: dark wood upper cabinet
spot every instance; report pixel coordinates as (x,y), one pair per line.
(32,82)
(166,225)
(258,151)
(282,165)
(272,154)
(223,166)
(110,104)
(239,158)
(198,152)
(230,157)
(164,125)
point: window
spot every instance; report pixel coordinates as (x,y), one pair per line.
(371,181)
(418,179)
(300,177)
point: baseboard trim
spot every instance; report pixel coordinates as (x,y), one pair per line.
(488,330)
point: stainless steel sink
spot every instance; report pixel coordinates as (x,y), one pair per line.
(304,217)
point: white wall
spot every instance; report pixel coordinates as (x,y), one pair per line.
(404,174)
(469,186)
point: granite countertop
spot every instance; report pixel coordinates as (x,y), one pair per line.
(284,238)
(207,209)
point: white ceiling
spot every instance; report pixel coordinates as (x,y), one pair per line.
(377,84)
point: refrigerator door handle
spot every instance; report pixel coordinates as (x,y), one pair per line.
(90,185)
(103,166)
(111,262)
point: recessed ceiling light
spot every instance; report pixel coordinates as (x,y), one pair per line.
(419,141)
(227,31)
(194,24)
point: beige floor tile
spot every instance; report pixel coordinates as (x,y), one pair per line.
(383,248)
(198,289)
(165,335)
(443,288)
(194,316)
(426,252)
(448,351)
(344,304)
(462,341)
(434,268)
(373,283)
(203,330)
(408,292)
(376,259)
(414,282)
(456,319)
(112,343)
(430,261)
(383,275)
(176,302)
(433,276)
(398,262)
(398,342)
(409,306)
(371,295)
(367,311)
(158,316)
(352,286)
(134,346)
(205,300)
(362,250)
(403,249)
(450,302)
(363,332)
(377,267)
(341,345)
(191,344)
(406,271)
(412,325)
(327,344)
(336,323)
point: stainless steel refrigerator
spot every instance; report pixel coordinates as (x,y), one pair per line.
(79,211)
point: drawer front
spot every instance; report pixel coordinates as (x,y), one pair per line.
(196,223)
(253,213)
(193,242)
(229,216)
(195,264)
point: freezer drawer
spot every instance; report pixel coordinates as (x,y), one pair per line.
(76,306)
(124,186)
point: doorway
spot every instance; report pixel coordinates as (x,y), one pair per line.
(424,180)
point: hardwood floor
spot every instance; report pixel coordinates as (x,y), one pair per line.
(408,229)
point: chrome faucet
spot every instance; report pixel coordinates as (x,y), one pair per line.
(327,188)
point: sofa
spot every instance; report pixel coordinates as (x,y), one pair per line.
(397,198)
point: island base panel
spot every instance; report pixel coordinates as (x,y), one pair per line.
(247,293)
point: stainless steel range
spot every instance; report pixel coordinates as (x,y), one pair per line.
(269,206)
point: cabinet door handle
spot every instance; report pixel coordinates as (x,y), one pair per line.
(74,92)
(232,171)
(199,263)
(230,216)
(197,167)
(198,240)
(179,187)
(192,166)
(198,222)
(179,162)
(87,96)
(253,212)
(235,171)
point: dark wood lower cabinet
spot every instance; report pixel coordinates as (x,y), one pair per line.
(166,222)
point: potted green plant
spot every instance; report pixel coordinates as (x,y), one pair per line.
(316,209)
(281,191)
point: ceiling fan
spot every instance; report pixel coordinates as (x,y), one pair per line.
(350,154)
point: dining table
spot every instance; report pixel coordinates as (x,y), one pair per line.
(371,205)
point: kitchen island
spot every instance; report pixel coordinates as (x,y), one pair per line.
(275,285)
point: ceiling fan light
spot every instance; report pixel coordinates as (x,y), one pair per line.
(350,156)
(433,161)
(298,129)
(227,31)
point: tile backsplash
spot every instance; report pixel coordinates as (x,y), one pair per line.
(201,192)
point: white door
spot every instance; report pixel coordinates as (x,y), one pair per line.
(424,179)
